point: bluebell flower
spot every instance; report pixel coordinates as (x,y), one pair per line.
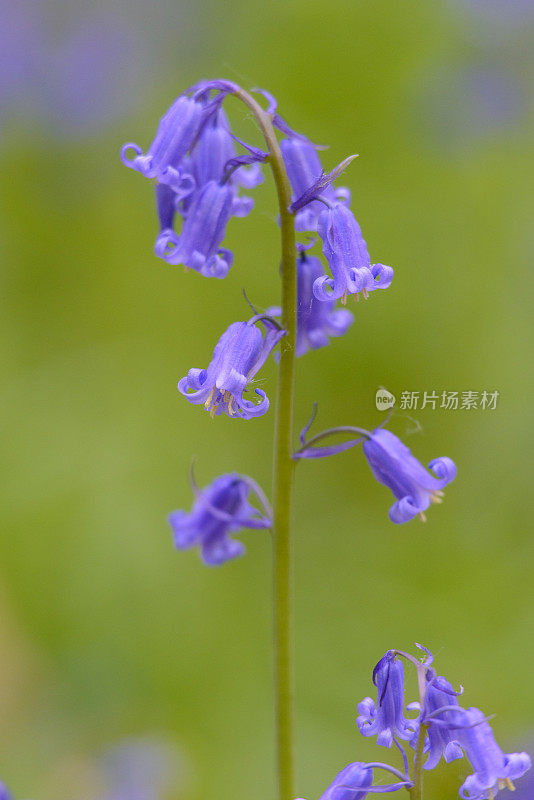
(213,150)
(440,699)
(392,464)
(346,252)
(385,719)
(351,783)
(239,354)
(355,782)
(414,487)
(198,246)
(140,769)
(304,169)
(4,793)
(220,509)
(493,769)
(316,321)
(176,133)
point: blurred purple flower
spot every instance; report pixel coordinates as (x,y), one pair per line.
(21,47)
(220,509)
(4,793)
(509,13)
(139,769)
(238,356)
(95,75)
(76,82)
(461,107)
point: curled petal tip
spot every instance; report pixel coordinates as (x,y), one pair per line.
(130,162)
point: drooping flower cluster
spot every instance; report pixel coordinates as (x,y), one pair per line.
(442,727)
(393,465)
(198,175)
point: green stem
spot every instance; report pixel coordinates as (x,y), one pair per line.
(283,463)
(416,792)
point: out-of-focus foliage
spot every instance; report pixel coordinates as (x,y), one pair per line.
(106,632)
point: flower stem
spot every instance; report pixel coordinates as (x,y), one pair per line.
(283,463)
(416,792)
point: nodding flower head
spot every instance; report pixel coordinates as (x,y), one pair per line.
(4,793)
(351,783)
(493,769)
(414,487)
(385,719)
(304,169)
(440,700)
(239,354)
(220,509)
(176,133)
(199,244)
(346,252)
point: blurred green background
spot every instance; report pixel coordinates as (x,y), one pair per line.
(106,632)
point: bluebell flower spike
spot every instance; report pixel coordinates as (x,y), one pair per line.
(345,249)
(220,509)
(238,356)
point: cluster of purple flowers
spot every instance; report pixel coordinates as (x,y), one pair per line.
(443,727)
(198,177)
